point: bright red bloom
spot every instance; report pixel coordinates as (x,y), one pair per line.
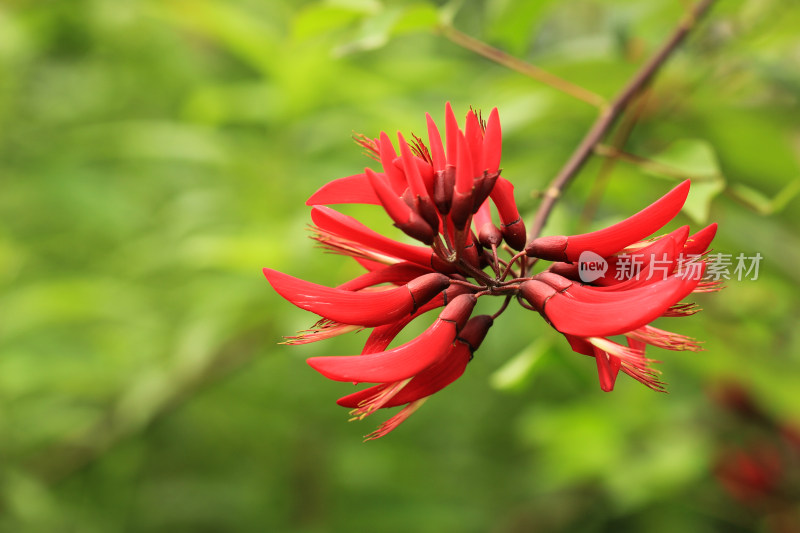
(588,314)
(441,194)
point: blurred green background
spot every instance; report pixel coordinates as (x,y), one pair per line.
(156,154)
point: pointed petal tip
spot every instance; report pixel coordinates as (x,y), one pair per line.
(699,242)
(347,190)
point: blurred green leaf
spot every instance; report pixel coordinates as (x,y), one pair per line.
(415,18)
(693,157)
(319,18)
(512,23)
(378,28)
(250,38)
(519,370)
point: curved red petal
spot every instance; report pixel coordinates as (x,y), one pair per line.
(473,134)
(395,207)
(406,360)
(488,234)
(437,150)
(614,238)
(393,365)
(580,345)
(405,218)
(464,173)
(334,222)
(382,336)
(413,175)
(372,308)
(353,189)
(634,267)
(437,376)
(429,381)
(451,132)
(577,312)
(655,262)
(387,156)
(492,143)
(607,369)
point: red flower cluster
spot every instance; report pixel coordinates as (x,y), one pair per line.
(441,195)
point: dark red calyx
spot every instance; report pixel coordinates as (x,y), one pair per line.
(514,234)
(424,288)
(475,331)
(559,283)
(537,293)
(459,309)
(549,248)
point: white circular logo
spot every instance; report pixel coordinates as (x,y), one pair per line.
(591,266)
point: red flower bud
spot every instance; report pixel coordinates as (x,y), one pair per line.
(405,218)
(512,226)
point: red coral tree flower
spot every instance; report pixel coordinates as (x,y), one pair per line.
(441,194)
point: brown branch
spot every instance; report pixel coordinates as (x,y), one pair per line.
(618,141)
(610,115)
(514,63)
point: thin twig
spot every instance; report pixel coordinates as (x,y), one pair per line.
(610,114)
(618,140)
(615,153)
(510,264)
(514,63)
(503,307)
